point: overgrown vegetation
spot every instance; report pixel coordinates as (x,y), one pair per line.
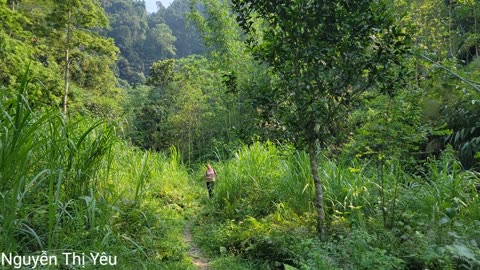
(74,186)
(378,217)
(355,119)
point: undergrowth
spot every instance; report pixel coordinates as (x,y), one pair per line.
(70,184)
(379,217)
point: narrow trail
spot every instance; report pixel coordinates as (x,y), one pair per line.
(193,251)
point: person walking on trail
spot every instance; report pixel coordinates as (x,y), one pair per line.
(210,175)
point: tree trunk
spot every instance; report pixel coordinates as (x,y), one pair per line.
(312,150)
(67,66)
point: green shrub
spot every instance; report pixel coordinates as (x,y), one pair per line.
(232,263)
(282,238)
(360,250)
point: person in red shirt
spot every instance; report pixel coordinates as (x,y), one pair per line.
(210,175)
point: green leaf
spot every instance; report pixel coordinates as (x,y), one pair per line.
(461,250)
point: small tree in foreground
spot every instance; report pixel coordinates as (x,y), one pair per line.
(323,54)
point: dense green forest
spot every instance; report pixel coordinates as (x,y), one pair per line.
(345,134)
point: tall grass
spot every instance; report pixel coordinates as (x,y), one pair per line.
(47,165)
(261,176)
(17,141)
(296,183)
(153,195)
(430,220)
(66,185)
(253,177)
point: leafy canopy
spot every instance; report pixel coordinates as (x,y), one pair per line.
(323,54)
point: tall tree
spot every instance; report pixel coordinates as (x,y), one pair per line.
(237,69)
(21,45)
(73,22)
(158,44)
(324,54)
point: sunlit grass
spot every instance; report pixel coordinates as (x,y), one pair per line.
(266,191)
(72,185)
